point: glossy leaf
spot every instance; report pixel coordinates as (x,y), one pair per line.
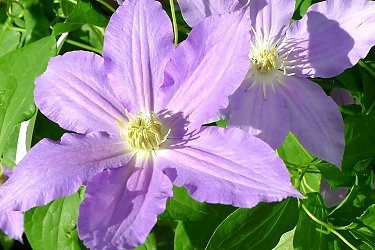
(18,70)
(54,226)
(256,228)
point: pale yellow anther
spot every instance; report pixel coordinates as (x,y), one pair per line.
(143,131)
(266,60)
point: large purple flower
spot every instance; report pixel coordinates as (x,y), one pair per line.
(11,222)
(138,113)
(276,96)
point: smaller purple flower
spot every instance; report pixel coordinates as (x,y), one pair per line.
(11,222)
(277,97)
(342,97)
(137,112)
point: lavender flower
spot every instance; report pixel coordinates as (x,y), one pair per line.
(138,113)
(276,96)
(11,222)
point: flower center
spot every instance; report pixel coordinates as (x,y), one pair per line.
(143,131)
(266,60)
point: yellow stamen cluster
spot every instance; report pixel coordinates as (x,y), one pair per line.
(266,60)
(143,131)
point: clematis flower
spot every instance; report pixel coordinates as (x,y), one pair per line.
(137,113)
(277,96)
(11,222)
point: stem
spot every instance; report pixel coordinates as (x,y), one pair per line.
(328,227)
(5,28)
(183,30)
(84,46)
(7,162)
(2,26)
(371,108)
(107,5)
(367,68)
(174,21)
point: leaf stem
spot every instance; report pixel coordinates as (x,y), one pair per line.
(107,5)
(328,227)
(174,21)
(3,26)
(367,68)
(8,163)
(84,46)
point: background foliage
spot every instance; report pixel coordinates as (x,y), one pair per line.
(28,33)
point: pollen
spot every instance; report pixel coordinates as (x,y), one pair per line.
(266,60)
(143,131)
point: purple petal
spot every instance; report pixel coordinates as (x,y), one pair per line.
(333,36)
(56,169)
(314,118)
(263,115)
(269,17)
(122,205)
(138,43)
(74,93)
(342,96)
(213,59)
(11,223)
(228,166)
(332,197)
(194,11)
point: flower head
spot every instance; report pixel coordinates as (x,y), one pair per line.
(137,113)
(276,96)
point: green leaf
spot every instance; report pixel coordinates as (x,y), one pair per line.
(352,80)
(9,42)
(257,228)
(359,198)
(196,234)
(182,207)
(360,137)
(182,240)
(6,242)
(335,177)
(301,8)
(301,164)
(286,241)
(150,243)
(54,226)
(364,227)
(292,151)
(306,235)
(368,100)
(198,221)
(18,69)
(83,13)
(35,15)
(44,128)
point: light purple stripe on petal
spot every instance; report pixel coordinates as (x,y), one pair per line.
(228,166)
(137,45)
(195,11)
(261,112)
(333,36)
(314,118)
(122,204)
(207,67)
(74,93)
(55,169)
